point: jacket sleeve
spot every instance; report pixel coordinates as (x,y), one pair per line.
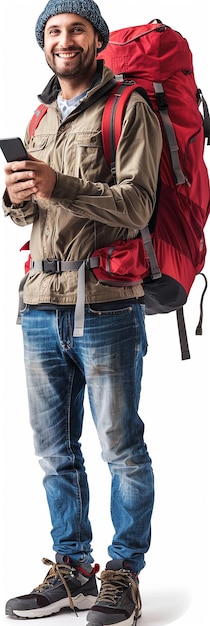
(130,202)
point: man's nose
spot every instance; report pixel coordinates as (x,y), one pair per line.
(66,39)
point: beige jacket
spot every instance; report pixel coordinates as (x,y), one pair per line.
(86,210)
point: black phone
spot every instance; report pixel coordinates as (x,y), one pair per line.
(13,149)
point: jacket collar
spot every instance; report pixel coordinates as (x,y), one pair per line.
(52,89)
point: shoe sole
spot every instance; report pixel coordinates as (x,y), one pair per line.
(81,603)
(131,621)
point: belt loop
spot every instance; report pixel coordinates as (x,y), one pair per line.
(79,316)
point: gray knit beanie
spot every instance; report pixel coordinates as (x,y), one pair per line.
(86,8)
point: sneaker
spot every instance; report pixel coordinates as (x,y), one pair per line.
(119,599)
(66,585)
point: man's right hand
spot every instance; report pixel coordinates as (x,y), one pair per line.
(19,181)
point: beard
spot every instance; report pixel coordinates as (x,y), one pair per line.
(81,64)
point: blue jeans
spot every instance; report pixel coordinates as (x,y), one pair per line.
(108,359)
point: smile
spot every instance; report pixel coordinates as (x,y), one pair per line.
(66,55)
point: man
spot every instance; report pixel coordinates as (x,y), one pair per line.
(65,190)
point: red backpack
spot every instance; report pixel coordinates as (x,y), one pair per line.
(167,255)
(157,59)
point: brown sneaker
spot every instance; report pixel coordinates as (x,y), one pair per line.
(119,599)
(67,585)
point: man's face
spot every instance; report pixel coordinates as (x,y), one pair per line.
(70,45)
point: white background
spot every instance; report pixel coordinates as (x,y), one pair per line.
(175,396)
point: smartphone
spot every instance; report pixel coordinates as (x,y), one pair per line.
(13,149)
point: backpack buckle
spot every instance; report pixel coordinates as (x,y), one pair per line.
(53,266)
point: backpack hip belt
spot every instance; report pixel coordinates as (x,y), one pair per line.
(108,265)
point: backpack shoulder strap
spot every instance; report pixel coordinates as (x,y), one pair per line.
(113,117)
(111,130)
(37,116)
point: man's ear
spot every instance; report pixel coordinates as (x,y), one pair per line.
(99,42)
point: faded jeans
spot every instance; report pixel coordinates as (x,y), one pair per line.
(108,359)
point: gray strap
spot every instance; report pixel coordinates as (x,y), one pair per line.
(55,266)
(79,316)
(155,270)
(172,142)
(185,353)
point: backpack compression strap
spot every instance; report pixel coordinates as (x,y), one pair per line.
(180,178)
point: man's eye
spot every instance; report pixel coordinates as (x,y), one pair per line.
(77,29)
(54,31)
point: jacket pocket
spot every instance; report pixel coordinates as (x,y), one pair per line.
(89,159)
(39,144)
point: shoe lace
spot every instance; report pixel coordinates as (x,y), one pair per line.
(119,581)
(58,570)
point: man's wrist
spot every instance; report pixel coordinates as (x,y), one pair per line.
(12,205)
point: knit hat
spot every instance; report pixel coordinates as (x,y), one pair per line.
(86,8)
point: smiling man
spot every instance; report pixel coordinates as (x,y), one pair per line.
(66,192)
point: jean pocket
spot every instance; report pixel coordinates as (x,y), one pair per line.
(109,308)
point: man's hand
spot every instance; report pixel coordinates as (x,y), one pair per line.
(25,179)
